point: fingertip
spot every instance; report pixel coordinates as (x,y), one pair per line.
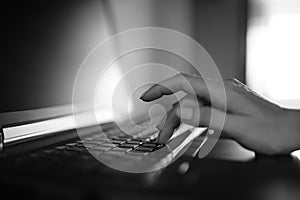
(145,96)
(142,97)
(161,139)
(165,134)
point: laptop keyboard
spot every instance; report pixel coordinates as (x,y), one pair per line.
(137,152)
(117,146)
(72,162)
(114,145)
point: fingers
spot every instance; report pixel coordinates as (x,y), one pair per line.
(210,90)
(219,95)
(207,107)
(193,111)
(171,123)
(155,92)
(189,84)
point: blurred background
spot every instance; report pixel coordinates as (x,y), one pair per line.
(43,43)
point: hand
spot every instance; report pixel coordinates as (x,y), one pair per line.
(253,121)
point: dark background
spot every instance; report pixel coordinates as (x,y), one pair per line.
(44,42)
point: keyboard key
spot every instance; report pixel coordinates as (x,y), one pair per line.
(131,146)
(149,145)
(143,139)
(140,139)
(80,145)
(121,149)
(71,144)
(93,142)
(101,136)
(120,139)
(115,141)
(153,145)
(101,140)
(99,148)
(89,146)
(108,145)
(77,149)
(144,149)
(134,142)
(61,147)
(88,139)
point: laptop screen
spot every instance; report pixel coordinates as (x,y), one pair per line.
(43,44)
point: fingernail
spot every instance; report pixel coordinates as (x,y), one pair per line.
(185,113)
(143,95)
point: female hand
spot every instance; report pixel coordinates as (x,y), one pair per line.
(253,121)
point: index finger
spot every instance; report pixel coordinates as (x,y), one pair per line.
(193,85)
(175,84)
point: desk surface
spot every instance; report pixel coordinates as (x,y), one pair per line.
(221,175)
(214,177)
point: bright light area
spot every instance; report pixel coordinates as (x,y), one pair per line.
(105,93)
(273,51)
(296,154)
(51,126)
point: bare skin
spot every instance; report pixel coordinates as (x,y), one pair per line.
(251,120)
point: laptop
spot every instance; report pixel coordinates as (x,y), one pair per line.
(109,142)
(44,153)
(135,150)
